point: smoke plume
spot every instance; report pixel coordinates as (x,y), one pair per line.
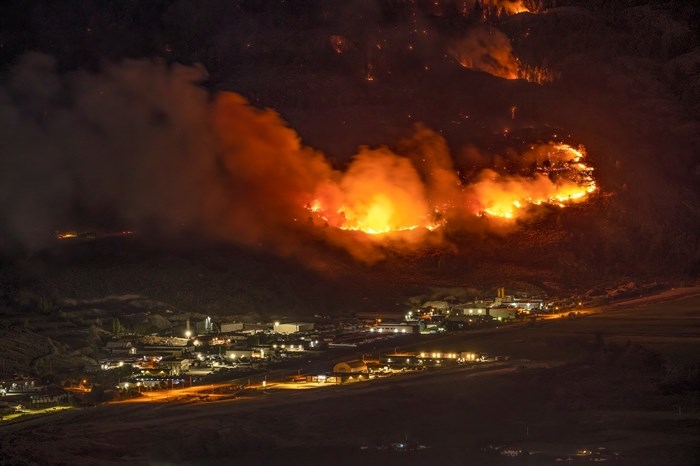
(486,49)
(145,144)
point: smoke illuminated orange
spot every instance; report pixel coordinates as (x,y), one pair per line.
(379,193)
(487,49)
(507,7)
(382,192)
(566,179)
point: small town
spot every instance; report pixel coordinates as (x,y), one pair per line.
(201,360)
(200,350)
(199,353)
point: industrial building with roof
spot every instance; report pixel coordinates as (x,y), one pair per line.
(292,327)
(350,367)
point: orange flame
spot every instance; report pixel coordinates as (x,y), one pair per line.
(379,193)
(506,7)
(382,192)
(487,49)
(565,180)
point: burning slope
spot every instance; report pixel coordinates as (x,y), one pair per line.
(505,7)
(485,48)
(379,193)
(382,192)
(560,178)
(147,143)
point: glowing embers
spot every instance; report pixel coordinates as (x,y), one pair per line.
(560,178)
(340,44)
(535,74)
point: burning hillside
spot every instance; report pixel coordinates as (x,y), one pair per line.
(485,48)
(161,147)
(238,173)
(383,192)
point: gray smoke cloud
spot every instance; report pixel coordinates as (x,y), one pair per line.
(145,142)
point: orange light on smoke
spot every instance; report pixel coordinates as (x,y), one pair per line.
(507,7)
(381,192)
(568,180)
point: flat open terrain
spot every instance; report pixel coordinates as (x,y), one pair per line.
(569,384)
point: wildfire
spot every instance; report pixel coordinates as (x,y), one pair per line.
(505,7)
(489,50)
(66,234)
(564,179)
(535,74)
(378,218)
(383,193)
(380,193)
(486,49)
(339,44)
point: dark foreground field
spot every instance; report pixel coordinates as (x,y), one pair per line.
(626,380)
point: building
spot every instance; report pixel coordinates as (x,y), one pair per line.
(455,323)
(175,366)
(529,304)
(402,327)
(227,327)
(324,378)
(504,313)
(288,346)
(204,326)
(292,327)
(240,353)
(238,337)
(252,329)
(150,351)
(120,347)
(257,352)
(399,360)
(350,367)
(470,309)
(438,356)
(469,356)
(20,385)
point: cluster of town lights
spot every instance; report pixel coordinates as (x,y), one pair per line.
(381,330)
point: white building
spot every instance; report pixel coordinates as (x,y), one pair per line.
(292,327)
(120,347)
(254,353)
(504,313)
(227,327)
(394,328)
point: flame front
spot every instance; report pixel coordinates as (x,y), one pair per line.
(382,192)
(485,48)
(561,179)
(379,193)
(505,7)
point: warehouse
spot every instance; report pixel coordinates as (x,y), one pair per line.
(292,327)
(350,367)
